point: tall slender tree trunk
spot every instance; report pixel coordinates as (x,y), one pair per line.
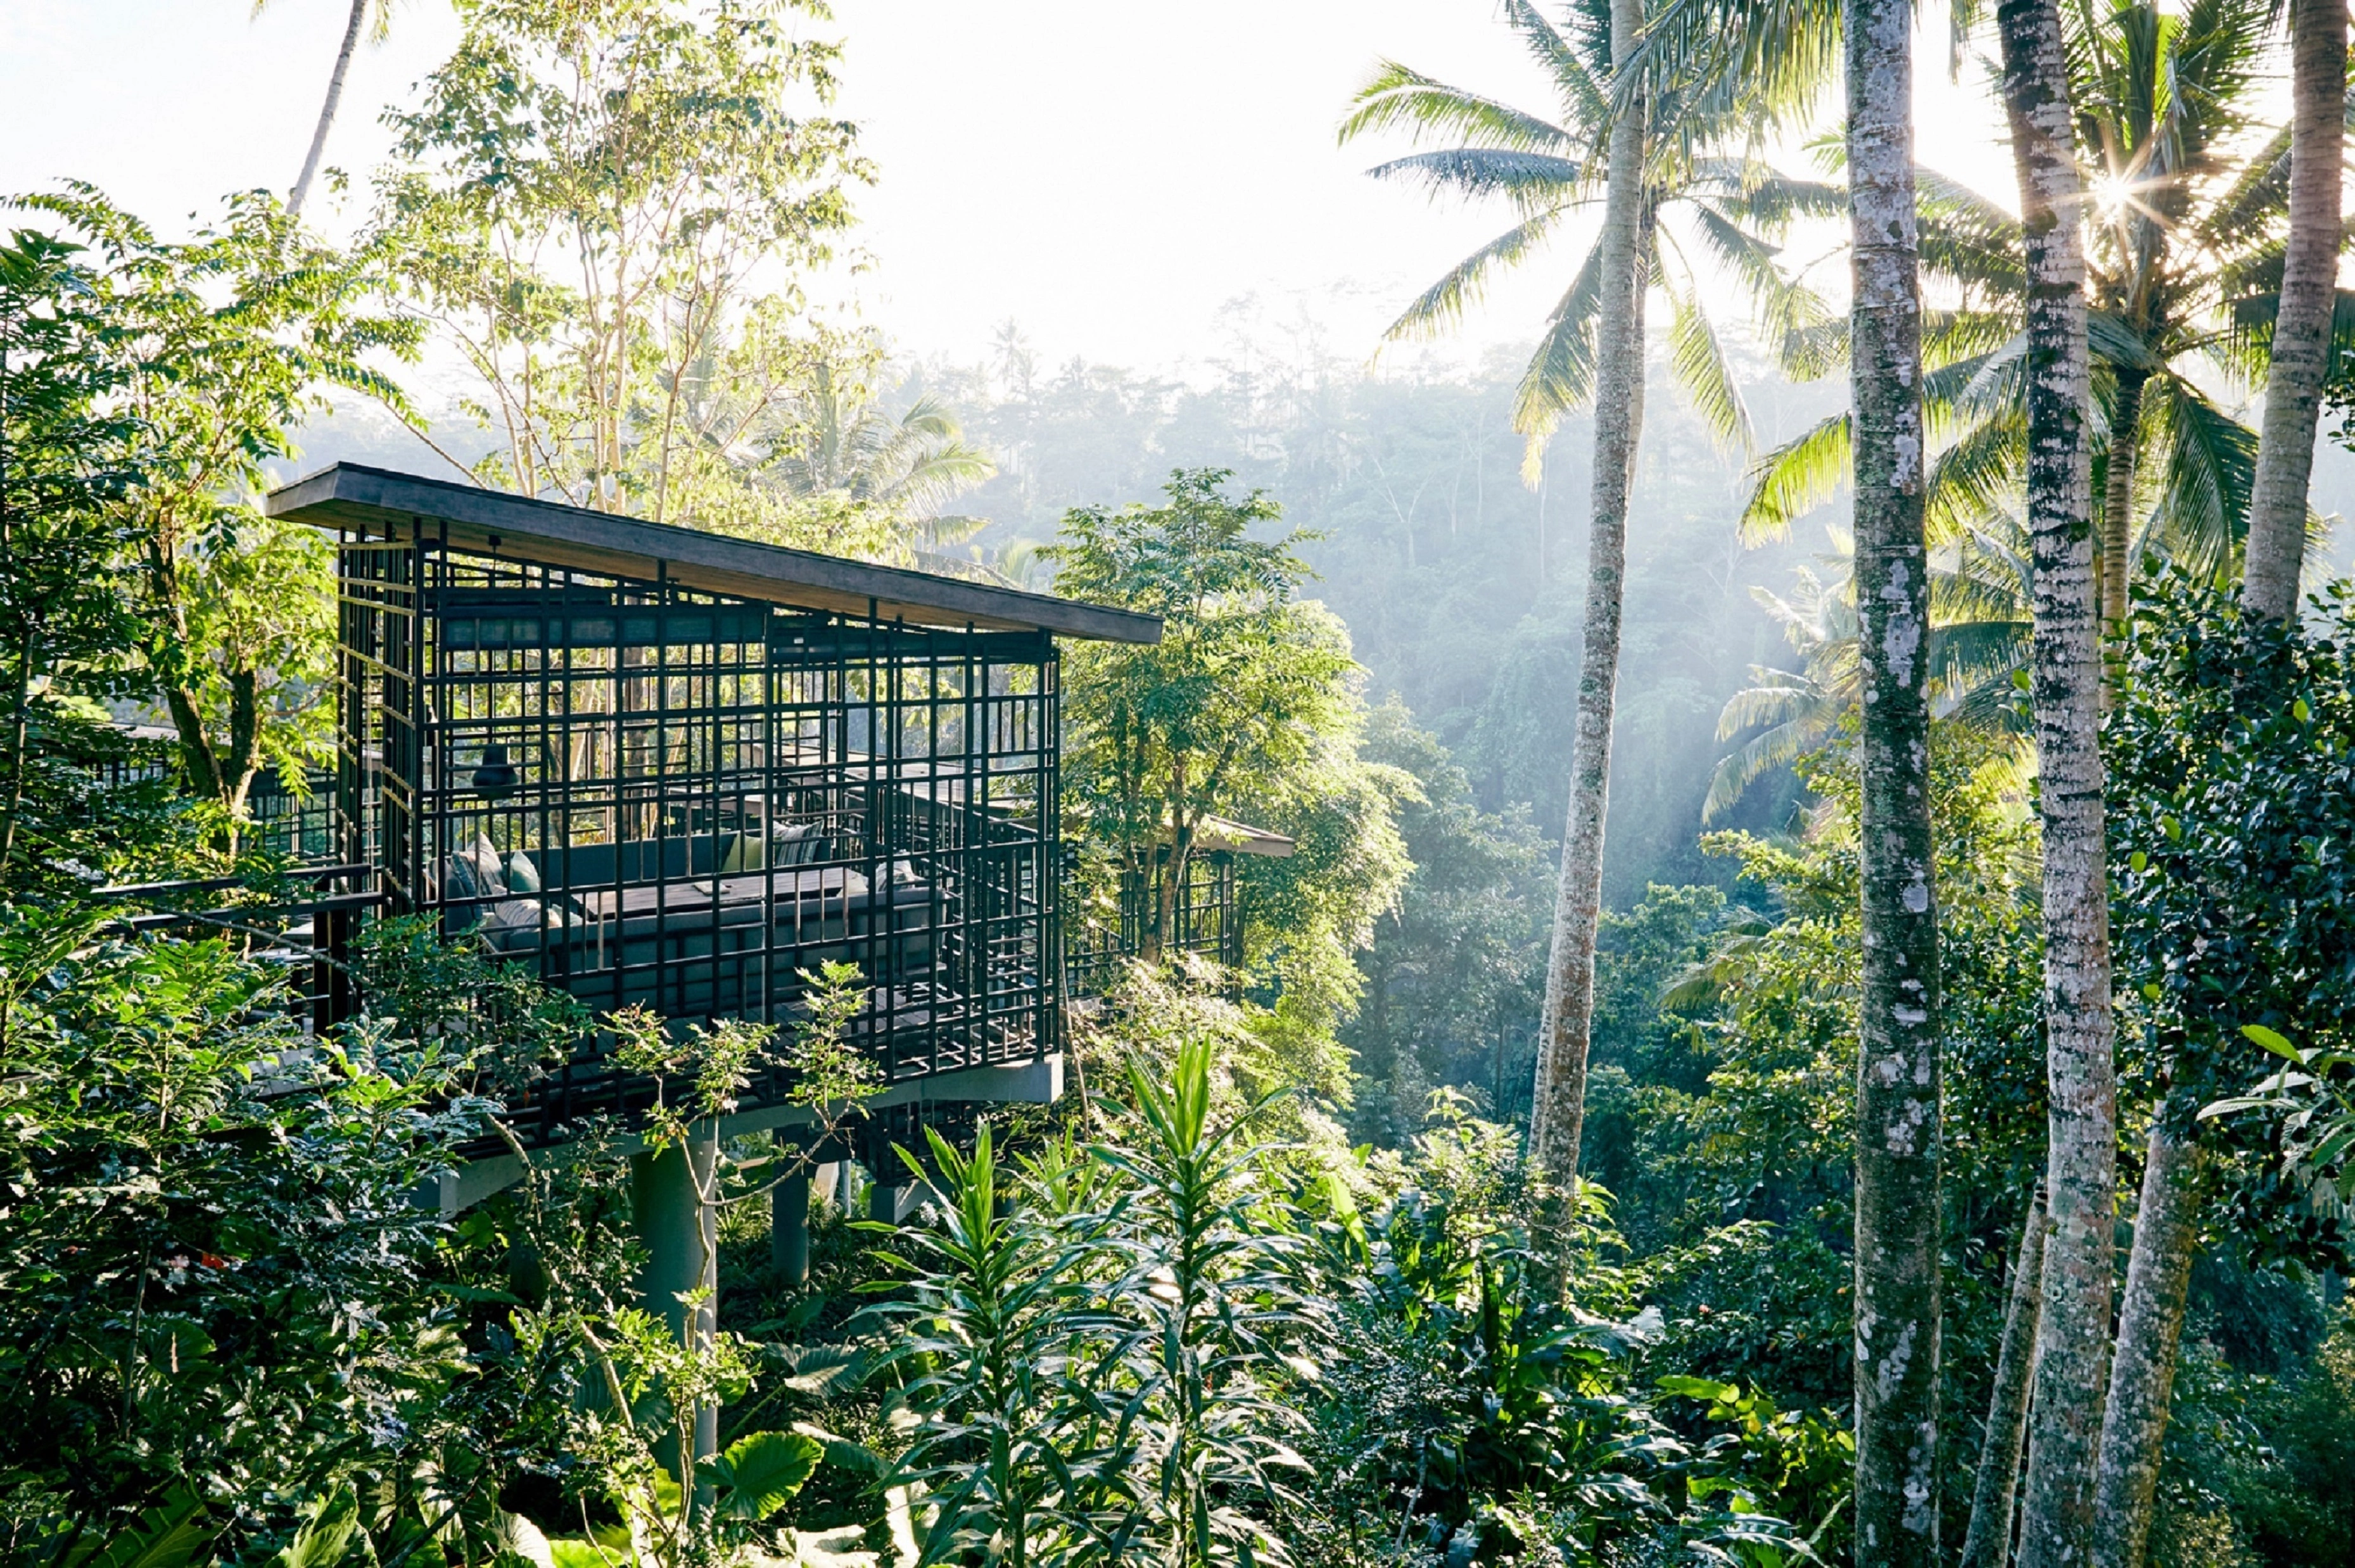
(2301,355)
(2150,1331)
(1897,1095)
(2080,1178)
(2158,1270)
(2118,499)
(1987,1543)
(327,111)
(1557,1096)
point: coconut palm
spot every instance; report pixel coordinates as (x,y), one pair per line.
(2302,326)
(371,16)
(831,434)
(2158,100)
(2306,311)
(1979,637)
(2185,252)
(1699,208)
(1653,136)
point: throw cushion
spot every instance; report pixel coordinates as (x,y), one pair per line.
(490,869)
(744,854)
(457,875)
(523,877)
(793,841)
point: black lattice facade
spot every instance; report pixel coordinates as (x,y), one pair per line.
(1206,919)
(676,798)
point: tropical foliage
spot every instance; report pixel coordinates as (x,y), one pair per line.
(1275,1281)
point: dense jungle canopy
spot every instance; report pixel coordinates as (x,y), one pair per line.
(1724,935)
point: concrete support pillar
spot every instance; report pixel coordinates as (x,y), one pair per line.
(886,1203)
(789,1203)
(681,1234)
(893,1204)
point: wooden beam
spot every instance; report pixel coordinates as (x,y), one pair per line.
(492,523)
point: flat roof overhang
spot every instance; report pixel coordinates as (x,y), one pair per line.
(402,506)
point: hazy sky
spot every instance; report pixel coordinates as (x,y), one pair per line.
(1110,174)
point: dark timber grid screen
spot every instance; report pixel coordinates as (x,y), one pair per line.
(712,795)
(1208,919)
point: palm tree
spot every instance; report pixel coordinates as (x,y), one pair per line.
(1897,1135)
(1752,45)
(2302,330)
(1979,637)
(2306,318)
(357,23)
(830,434)
(1653,129)
(2185,256)
(2080,1073)
(2174,225)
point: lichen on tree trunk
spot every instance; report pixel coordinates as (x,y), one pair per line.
(1897,1306)
(2301,343)
(1987,1543)
(2150,1332)
(2081,1076)
(1557,1096)
(2118,499)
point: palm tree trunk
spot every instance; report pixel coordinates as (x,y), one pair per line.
(327,111)
(2301,349)
(2081,1077)
(1897,1097)
(2150,1330)
(1557,1096)
(2118,499)
(1987,1544)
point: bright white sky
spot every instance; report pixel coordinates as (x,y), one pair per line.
(1110,174)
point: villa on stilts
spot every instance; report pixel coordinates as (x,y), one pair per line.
(679,772)
(674,770)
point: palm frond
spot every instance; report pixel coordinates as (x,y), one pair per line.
(1795,479)
(1442,306)
(1398,98)
(1763,62)
(1532,181)
(2210,467)
(1804,731)
(1787,311)
(1949,337)
(2258,193)
(1962,392)
(1966,238)
(1561,373)
(1557,58)
(2113,343)
(1772,696)
(1970,480)
(1697,359)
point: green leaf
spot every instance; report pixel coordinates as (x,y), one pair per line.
(761,1473)
(2139,860)
(2325,1153)
(842,1453)
(1699,1388)
(571,1554)
(166,1536)
(326,1537)
(2302,711)
(2274,1041)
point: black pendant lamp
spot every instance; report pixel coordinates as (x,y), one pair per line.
(496,778)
